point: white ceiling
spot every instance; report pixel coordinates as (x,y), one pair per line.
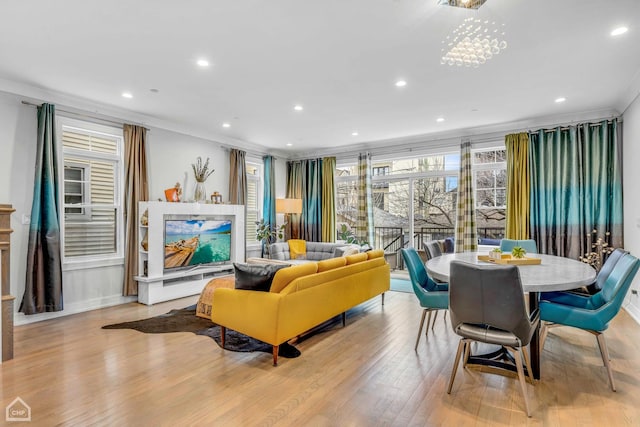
(338,58)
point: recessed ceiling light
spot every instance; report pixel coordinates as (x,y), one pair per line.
(127,95)
(401,83)
(202,63)
(560,100)
(440,119)
(354,134)
(226,125)
(618,31)
(289,144)
(298,108)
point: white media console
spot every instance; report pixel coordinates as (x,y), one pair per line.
(154,284)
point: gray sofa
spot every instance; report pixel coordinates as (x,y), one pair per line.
(316,251)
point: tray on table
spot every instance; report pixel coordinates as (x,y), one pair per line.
(508,259)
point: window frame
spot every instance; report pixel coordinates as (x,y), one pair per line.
(64,123)
(494,166)
(85,194)
(259,179)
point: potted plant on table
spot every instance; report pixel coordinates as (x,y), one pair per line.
(495,253)
(518,252)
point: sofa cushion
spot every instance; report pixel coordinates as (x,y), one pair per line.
(335,274)
(297,248)
(255,277)
(286,275)
(352,259)
(331,263)
(375,253)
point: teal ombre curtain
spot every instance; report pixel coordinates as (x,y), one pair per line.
(328,199)
(576,186)
(364,220)
(269,194)
(43,287)
(304,181)
(295,185)
(466,234)
(312,201)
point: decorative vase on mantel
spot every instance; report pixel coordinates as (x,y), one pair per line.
(201,172)
(200,192)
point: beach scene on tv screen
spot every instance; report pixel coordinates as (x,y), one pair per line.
(195,241)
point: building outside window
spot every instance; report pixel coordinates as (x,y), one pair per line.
(91,181)
(416,198)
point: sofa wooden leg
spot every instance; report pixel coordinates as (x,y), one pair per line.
(223,332)
(382,298)
(344,319)
(275,355)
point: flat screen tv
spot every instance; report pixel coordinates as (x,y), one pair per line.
(194,242)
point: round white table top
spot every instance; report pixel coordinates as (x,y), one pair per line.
(554,273)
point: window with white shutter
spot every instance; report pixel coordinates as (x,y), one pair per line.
(254,200)
(91,192)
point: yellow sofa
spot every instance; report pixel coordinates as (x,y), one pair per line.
(301,297)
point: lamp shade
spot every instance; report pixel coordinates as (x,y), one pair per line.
(289,206)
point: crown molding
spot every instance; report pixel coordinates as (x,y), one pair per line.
(83,106)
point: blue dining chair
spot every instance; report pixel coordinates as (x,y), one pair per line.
(594,312)
(432,296)
(529,245)
(580,297)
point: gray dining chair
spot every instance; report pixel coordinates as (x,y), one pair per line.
(433,249)
(486,304)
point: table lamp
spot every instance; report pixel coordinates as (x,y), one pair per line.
(289,206)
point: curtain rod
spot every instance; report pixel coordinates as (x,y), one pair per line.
(567,126)
(88,116)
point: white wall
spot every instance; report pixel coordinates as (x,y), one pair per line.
(631,176)
(170,155)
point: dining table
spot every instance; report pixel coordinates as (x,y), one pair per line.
(553,273)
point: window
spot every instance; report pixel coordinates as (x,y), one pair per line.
(490,177)
(254,200)
(411,197)
(91,190)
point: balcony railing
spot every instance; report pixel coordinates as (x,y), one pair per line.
(392,239)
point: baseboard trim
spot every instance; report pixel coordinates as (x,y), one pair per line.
(74,308)
(633,311)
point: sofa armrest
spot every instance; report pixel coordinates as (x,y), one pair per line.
(251,313)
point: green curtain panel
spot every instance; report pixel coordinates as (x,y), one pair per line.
(576,186)
(237,177)
(43,285)
(136,189)
(517,146)
(269,194)
(364,220)
(466,234)
(328,199)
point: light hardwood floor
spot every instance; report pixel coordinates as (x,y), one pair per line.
(72,372)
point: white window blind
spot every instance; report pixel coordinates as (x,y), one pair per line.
(254,193)
(91,179)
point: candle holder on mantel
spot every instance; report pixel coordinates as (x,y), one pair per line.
(600,249)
